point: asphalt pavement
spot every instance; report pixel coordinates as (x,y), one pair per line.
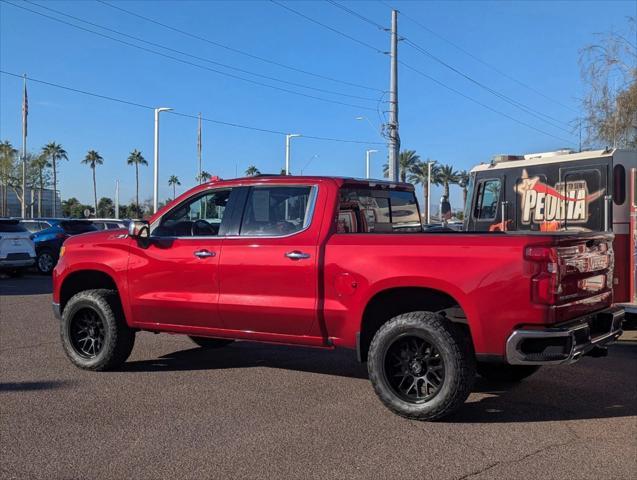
(263,411)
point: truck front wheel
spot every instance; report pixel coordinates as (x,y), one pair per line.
(506,373)
(94,332)
(421,366)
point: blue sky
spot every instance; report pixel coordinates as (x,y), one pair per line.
(534,42)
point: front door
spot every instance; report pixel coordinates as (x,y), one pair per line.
(269,275)
(173,279)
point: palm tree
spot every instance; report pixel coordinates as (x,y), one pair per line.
(203,177)
(41,162)
(420,175)
(463,182)
(54,152)
(173,181)
(252,171)
(447,176)
(136,158)
(406,160)
(93,159)
(7,157)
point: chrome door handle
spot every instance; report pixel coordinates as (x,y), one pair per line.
(296,255)
(204,254)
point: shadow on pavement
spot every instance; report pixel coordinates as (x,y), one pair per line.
(31,386)
(27,285)
(245,355)
(581,391)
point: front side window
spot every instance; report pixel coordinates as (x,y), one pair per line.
(369,210)
(200,216)
(276,211)
(487,198)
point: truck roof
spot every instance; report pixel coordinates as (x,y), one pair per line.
(274,178)
(542,159)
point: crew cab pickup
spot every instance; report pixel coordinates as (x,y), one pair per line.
(340,263)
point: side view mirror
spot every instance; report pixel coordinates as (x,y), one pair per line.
(139,229)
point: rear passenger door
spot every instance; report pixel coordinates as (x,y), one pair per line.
(269,269)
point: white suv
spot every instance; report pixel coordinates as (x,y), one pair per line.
(17,252)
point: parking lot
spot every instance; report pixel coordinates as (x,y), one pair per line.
(261,411)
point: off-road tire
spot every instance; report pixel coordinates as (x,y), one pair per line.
(500,372)
(205,342)
(118,337)
(455,349)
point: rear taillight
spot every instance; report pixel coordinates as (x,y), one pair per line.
(60,235)
(545,283)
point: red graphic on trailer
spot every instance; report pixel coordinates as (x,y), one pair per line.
(567,201)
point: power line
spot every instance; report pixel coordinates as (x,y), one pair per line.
(479,60)
(357,15)
(515,103)
(293,92)
(230,67)
(338,32)
(180,114)
(525,108)
(437,81)
(482,104)
(240,52)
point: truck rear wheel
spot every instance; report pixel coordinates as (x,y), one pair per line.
(421,366)
(504,372)
(94,332)
(205,342)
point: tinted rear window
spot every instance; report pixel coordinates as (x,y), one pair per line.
(370,210)
(11,226)
(77,227)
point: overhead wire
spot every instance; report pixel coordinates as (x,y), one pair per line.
(478,59)
(230,67)
(238,51)
(231,75)
(458,92)
(181,114)
(332,29)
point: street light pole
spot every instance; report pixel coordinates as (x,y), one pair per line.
(116,198)
(367,155)
(288,137)
(156,158)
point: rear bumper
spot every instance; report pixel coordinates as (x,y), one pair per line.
(21,263)
(565,343)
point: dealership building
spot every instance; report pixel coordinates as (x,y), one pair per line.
(10,203)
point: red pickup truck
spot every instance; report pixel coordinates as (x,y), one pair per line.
(337,262)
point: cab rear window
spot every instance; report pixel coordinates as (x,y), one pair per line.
(75,227)
(370,210)
(11,226)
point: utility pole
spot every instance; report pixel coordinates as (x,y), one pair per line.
(199,147)
(25,114)
(116,198)
(394,138)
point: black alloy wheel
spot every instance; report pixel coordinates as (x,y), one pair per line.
(87,333)
(414,368)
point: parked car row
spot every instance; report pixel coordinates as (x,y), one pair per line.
(37,241)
